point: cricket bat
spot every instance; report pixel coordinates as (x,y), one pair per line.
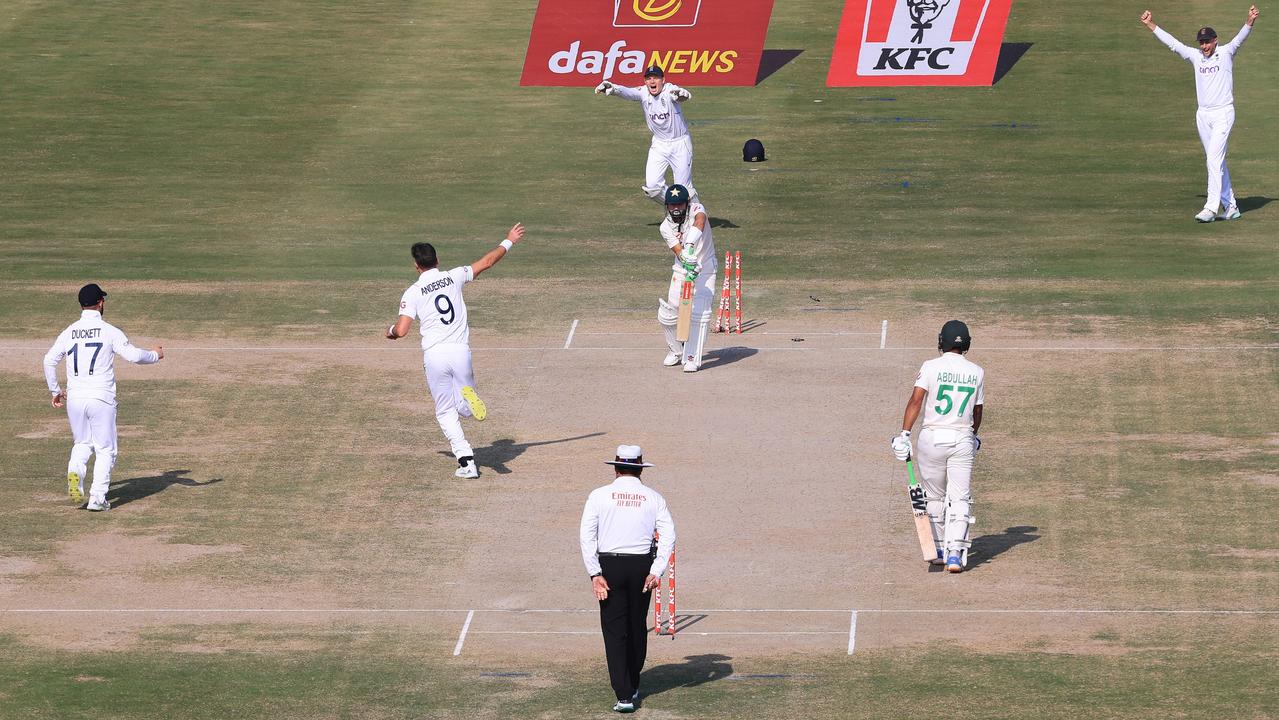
(685,312)
(923,524)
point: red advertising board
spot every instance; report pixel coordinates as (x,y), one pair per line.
(696,42)
(918,42)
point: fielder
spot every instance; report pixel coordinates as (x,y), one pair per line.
(1214,87)
(92,344)
(671,147)
(953,389)
(436,301)
(688,234)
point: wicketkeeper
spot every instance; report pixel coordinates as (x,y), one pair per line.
(949,390)
(672,146)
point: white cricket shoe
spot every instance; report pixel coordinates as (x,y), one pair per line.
(469,470)
(1230,213)
(1205,216)
(672,359)
(691,366)
(98,506)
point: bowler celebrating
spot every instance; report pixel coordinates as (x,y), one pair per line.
(436,301)
(1214,87)
(672,147)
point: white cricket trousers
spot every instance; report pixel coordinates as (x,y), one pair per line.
(448,370)
(945,461)
(1214,131)
(676,154)
(93,433)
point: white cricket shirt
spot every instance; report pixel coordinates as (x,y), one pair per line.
(621,517)
(661,112)
(1215,74)
(673,234)
(953,387)
(436,301)
(90,345)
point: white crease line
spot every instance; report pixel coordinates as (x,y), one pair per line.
(527,348)
(461,638)
(572,329)
(677,634)
(852,627)
(579,611)
(883,334)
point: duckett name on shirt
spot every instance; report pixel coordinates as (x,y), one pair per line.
(86,333)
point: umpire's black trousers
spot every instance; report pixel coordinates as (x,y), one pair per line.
(624,619)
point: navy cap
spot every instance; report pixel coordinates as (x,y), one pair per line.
(1205,34)
(90,295)
(654,71)
(753,151)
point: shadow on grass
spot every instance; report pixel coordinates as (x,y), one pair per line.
(695,670)
(503,451)
(1009,54)
(771,61)
(1250,203)
(123,492)
(726,356)
(986,547)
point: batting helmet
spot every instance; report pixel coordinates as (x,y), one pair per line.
(954,334)
(677,202)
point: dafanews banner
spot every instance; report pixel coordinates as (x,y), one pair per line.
(696,42)
(918,42)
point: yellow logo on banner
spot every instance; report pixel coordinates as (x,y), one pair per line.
(657,10)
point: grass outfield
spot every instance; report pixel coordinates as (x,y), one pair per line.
(252,173)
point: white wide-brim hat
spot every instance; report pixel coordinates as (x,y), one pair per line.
(630,456)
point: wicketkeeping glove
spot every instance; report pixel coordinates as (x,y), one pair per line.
(604,87)
(901,445)
(681,94)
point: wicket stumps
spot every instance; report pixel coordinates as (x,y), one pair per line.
(723,320)
(670,606)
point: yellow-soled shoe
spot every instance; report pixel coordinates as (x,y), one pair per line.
(73,488)
(478,410)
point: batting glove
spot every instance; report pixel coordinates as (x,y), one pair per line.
(692,270)
(901,445)
(603,87)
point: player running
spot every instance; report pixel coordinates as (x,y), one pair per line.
(91,343)
(436,301)
(672,146)
(949,389)
(1214,87)
(687,232)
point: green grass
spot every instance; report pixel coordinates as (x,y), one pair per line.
(252,173)
(371,675)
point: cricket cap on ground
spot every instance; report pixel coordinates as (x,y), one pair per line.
(753,151)
(954,334)
(90,295)
(629,456)
(1206,34)
(654,71)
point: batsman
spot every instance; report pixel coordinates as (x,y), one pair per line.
(685,313)
(950,392)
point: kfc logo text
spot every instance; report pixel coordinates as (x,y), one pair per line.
(918,42)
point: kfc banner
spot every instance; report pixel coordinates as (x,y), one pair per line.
(918,42)
(696,42)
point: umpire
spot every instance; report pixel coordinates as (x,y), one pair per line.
(618,525)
